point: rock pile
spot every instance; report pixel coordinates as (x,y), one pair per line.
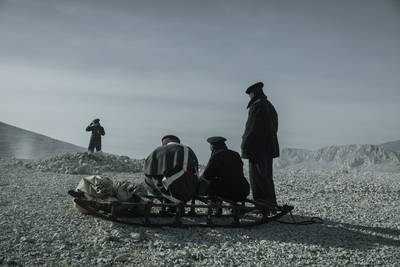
(82,163)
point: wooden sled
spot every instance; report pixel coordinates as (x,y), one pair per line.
(166,211)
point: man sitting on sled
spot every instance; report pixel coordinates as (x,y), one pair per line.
(172,169)
(224,172)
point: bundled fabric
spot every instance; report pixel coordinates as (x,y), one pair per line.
(102,187)
(96,186)
(125,191)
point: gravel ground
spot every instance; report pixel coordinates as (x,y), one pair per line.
(360,210)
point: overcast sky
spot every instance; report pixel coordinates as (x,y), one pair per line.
(150,68)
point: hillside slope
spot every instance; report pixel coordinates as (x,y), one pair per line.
(23,144)
(394,145)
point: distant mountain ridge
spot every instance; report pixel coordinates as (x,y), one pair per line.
(347,157)
(23,144)
(394,145)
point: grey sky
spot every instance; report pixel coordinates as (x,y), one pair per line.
(149,68)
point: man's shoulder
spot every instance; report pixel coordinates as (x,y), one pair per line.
(234,153)
(169,147)
(259,102)
(263,103)
(224,153)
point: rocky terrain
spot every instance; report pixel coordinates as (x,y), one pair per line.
(82,163)
(349,157)
(41,227)
(359,209)
(393,145)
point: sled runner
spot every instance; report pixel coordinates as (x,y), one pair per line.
(166,211)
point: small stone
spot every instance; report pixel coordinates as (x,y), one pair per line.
(138,237)
(121,258)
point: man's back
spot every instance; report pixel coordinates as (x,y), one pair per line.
(164,170)
(260,136)
(225,171)
(168,157)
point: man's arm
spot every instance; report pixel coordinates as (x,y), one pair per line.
(210,172)
(251,128)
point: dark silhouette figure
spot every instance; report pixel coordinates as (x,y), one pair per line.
(97,131)
(260,143)
(224,172)
(172,169)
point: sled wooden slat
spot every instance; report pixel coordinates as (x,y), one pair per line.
(152,211)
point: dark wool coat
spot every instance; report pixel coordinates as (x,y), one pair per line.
(225,171)
(168,159)
(97,131)
(260,136)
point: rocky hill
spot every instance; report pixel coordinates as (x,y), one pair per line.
(97,163)
(58,156)
(348,157)
(394,145)
(23,144)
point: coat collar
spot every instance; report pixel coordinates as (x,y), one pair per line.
(255,98)
(219,148)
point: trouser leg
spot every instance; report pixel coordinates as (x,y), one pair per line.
(261,180)
(185,187)
(98,145)
(95,143)
(91,146)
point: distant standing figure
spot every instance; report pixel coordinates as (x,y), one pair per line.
(97,132)
(224,172)
(260,143)
(172,169)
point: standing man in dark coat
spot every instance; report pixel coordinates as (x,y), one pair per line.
(172,169)
(97,131)
(260,143)
(224,172)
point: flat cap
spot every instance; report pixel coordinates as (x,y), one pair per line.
(170,137)
(216,140)
(256,86)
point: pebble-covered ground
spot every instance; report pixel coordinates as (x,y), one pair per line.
(40,227)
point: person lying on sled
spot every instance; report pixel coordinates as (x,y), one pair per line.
(172,169)
(224,172)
